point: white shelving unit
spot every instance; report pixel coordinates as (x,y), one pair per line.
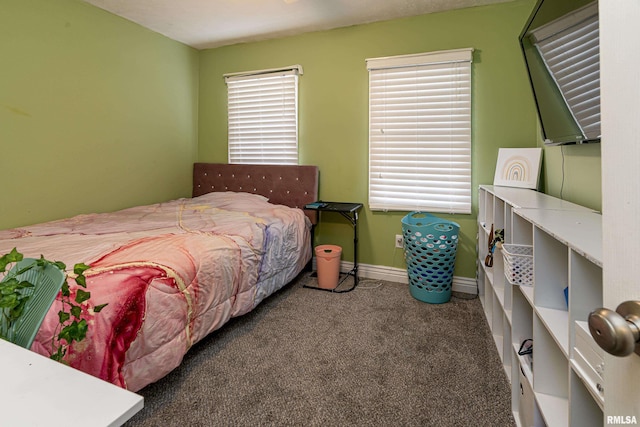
(559,385)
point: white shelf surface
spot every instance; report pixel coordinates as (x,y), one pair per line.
(489,272)
(523,198)
(554,409)
(557,323)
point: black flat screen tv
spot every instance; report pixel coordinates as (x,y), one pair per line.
(560,44)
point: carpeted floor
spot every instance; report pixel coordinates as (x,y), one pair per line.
(371,357)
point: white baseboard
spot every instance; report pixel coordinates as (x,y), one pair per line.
(466,285)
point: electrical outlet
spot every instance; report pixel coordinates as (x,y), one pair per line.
(399,240)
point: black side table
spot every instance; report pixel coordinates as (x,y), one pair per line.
(350,212)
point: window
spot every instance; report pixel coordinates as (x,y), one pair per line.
(420,132)
(570,49)
(263,116)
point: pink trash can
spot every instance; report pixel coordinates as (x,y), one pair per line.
(328,264)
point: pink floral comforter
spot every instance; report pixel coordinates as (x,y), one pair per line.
(170,273)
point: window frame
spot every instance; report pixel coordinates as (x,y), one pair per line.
(413,179)
(262,116)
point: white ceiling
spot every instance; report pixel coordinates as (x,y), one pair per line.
(212,23)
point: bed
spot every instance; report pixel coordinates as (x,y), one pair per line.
(173,272)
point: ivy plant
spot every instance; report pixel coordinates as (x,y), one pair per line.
(12,299)
(72,326)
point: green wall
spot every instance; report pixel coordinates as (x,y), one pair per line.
(96,113)
(574,173)
(334,108)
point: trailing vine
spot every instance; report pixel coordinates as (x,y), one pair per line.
(72,326)
(12,299)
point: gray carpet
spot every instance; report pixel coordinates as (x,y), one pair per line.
(371,357)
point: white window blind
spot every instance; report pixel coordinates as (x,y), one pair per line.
(570,48)
(263,116)
(420,132)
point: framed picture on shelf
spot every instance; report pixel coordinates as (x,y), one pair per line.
(518,167)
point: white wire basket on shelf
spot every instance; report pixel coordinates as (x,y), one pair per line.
(518,264)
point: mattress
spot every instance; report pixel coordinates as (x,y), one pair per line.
(170,274)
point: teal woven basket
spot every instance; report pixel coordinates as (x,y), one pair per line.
(430,247)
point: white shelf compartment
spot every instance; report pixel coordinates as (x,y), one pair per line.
(498,279)
(588,412)
(550,270)
(522,326)
(584,411)
(551,275)
(557,324)
(587,362)
(551,373)
(522,231)
(585,290)
(523,403)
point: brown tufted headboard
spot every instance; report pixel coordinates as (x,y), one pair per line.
(288,185)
